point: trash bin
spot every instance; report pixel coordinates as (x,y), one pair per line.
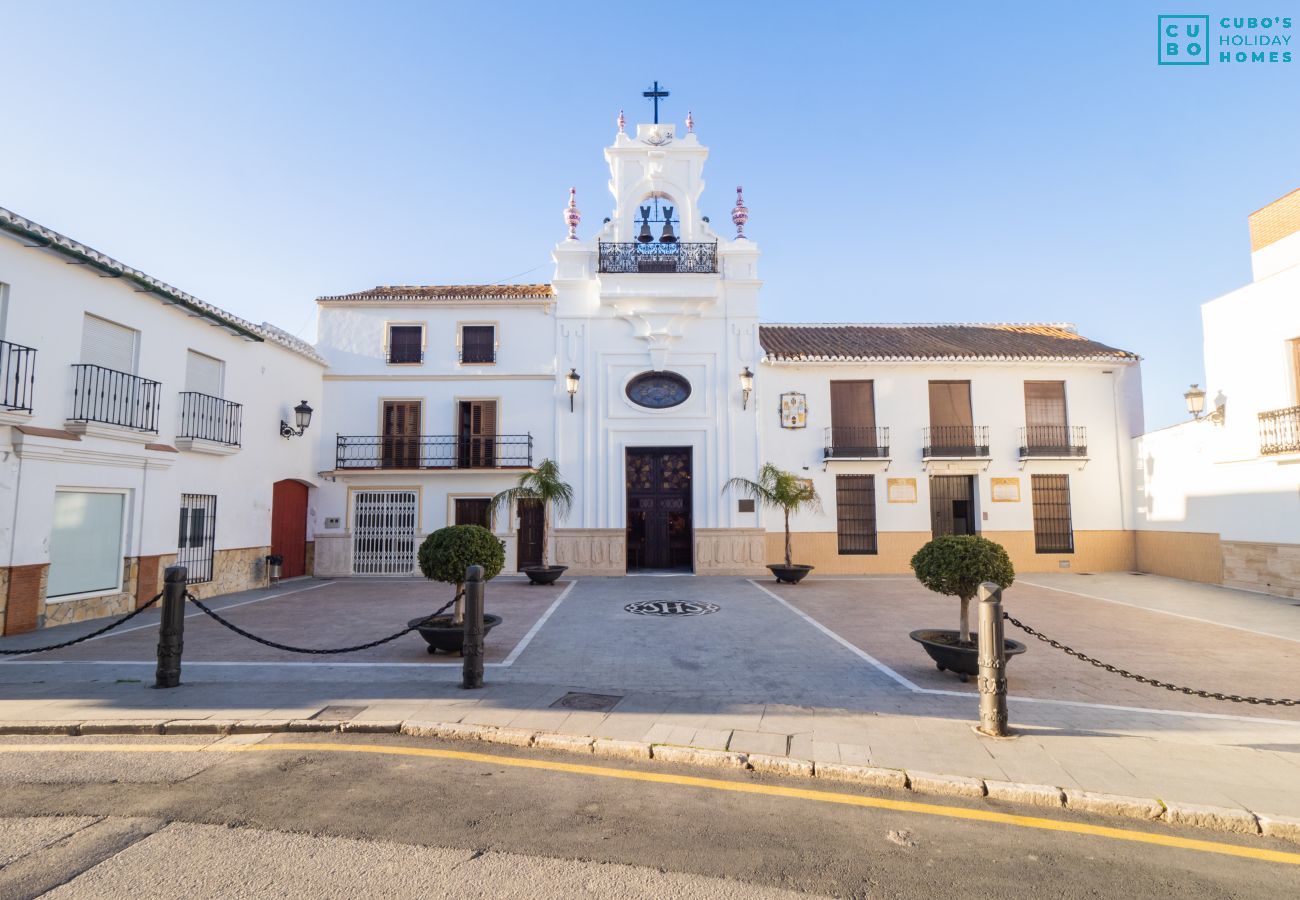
(273,564)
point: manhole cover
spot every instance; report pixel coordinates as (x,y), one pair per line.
(671,608)
(588,702)
(340,713)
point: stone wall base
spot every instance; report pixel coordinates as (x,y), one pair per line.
(1255,566)
(1190,555)
(241,569)
(730,551)
(591,551)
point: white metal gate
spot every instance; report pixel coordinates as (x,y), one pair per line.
(383,532)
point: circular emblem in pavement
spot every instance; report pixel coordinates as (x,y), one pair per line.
(671,608)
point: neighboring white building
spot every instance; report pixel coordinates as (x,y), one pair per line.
(139,426)
(1219,497)
(440,395)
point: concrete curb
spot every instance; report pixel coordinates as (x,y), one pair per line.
(1211,818)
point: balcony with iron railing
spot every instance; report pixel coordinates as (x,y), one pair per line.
(445,451)
(658,257)
(208,418)
(1053,441)
(856,442)
(955,442)
(114,398)
(1279,431)
(17,376)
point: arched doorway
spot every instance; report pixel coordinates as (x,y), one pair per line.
(289,526)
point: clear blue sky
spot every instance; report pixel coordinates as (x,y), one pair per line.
(946,161)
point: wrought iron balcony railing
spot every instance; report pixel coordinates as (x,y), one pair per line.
(956,441)
(1279,431)
(1053,440)
(17,376)
(207,418)
(114,398)
(443,451)
(856,442)
(630,256)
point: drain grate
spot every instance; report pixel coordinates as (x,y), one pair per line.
(587,702)
(671,608)
(340,713)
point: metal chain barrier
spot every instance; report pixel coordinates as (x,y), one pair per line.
(1124,673)
(314,650)
(85,637)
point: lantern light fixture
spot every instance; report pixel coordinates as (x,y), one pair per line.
(1195,398)
(746,387)
(302,419)
(571,385)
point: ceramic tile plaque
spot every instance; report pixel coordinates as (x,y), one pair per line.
(794,410)
(901,490)
(1006,490)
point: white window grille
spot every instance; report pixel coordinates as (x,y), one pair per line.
(383,532)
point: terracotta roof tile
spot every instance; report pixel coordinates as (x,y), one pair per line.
(407,292)
(937,342)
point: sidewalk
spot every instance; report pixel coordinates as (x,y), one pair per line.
(767,682)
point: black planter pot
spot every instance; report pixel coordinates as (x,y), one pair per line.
(544,574)
(962,661)
(449,638)
(790,574)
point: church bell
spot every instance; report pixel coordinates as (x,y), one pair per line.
(645,236)
(668,236)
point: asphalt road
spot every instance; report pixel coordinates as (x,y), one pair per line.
(327,821)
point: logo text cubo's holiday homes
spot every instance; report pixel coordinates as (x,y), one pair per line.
(1186,40)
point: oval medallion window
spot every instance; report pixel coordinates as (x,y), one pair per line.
(658,390)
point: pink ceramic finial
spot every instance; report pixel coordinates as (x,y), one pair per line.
(690,121)
(622,122)
(571,215)
(740,214)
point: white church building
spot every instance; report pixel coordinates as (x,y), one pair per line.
(642,368)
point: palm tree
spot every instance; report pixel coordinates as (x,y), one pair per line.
(544,485)
(779,489)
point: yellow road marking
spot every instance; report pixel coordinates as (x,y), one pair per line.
(739,787)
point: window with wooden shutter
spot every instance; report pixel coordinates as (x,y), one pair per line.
(472,511)
(203,374)
(1053,528)
(855,510)
(108,345)
(478,344)
(405,344)
(853,417)
(401,439)
(478,430)
(1045,419)
(950,404)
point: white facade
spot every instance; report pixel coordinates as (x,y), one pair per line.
(54,454)
(1219,497)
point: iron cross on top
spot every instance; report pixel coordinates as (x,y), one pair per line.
(656,94)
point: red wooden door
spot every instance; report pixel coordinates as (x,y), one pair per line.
(289,526)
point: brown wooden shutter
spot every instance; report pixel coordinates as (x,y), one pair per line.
(401,439)
(950,404)
(405,344)
(478,434)
(1045,403)
(478,344)
(472,511)
(853,404)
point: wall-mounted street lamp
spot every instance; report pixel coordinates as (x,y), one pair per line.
(571,385)
(1195,398)
(746,387)
(301,418)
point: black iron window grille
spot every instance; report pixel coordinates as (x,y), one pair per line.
(114,398)
(631,256)
(959,441)
(208,418)
(855,512)
(17,376)
(478,344)
(856,442)
(1279,431)
(405,344)
(197,537)
(1053,528)
(1053,440)
(443,451)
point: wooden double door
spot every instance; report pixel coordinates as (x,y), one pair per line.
(659,529)
(952,504)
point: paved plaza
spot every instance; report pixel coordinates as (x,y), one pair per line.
(821,671)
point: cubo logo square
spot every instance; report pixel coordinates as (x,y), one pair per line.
(1184,41)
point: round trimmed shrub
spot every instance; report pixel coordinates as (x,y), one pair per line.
(445,554)
(957,564)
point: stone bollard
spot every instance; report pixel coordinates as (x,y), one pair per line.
(472,645)
(992,662)
(171,628)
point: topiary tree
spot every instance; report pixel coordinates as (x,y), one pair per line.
(445,554)
(779,489)
(957,564)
